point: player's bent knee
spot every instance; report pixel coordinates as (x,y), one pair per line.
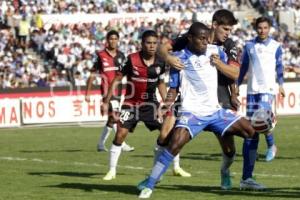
(230,154)
(174,148)
(246,129)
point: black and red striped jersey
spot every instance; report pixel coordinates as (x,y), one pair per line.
(107,66)
(142,80)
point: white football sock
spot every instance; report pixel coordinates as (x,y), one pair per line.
(104,136)
(115,127)
(115,152)
(176,164)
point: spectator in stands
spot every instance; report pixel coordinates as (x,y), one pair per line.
(79,81)
(24,29)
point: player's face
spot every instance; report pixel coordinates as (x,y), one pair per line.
(149,46)
(263,30)
(199,42)
(222,32)
(112,42)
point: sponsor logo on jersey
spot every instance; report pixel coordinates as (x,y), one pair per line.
(158,70)
(105,64)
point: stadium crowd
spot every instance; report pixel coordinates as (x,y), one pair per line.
(114,6)
(32,55)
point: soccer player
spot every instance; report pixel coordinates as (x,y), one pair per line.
(165,133)
(145,73)
(107,64)
(200,108)
(262,60)
(222,23)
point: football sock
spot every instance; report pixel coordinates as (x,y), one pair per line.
(105,134)
(157,151)
(249,154)
(176,161)
(226,163)
(115,127)
(159,168)
(115,152)
(270,139)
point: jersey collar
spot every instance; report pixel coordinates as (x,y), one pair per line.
(265,42)
(189,53)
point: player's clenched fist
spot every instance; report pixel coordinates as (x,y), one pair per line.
(215,59)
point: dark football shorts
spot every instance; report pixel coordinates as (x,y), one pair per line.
(131,115)
(114,105)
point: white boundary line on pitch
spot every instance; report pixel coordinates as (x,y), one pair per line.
(125,166)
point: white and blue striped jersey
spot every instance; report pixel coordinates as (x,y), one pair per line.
(263,62)
(198,81)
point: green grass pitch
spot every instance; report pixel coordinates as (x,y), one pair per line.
(62,163)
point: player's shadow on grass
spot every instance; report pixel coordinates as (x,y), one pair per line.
(204,156)
(263,157)
(191,156)
(271,192)
(70,174)
(126,189)
(216,157)
(51,151)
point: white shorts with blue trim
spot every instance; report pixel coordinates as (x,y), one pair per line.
(217,123)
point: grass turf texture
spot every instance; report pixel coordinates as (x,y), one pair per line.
(62,163)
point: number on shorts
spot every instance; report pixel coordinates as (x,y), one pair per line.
(124,116)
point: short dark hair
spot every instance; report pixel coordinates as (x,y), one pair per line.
(112,32)
(148,33)
(224,17)
(196,27)
(262,19)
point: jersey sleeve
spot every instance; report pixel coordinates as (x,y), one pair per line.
(97,67)
(232,53)
(119,59)
(223,55)
(174,81)
(162,73)
(244,66)
(124,68)
(279,65)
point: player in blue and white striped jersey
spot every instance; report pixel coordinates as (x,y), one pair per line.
(200,108)
(262,61)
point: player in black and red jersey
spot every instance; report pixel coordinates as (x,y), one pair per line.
(107,64)
(145,73)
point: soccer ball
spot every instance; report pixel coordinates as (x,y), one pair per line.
(263,121)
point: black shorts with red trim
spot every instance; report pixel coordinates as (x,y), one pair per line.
(147,113)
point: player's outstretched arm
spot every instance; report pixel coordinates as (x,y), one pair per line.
(281,91)
(170,98)
(279,71)
(171,60)
(230,71)
(234,96)
(89,86)
(162,88)
(112,87)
